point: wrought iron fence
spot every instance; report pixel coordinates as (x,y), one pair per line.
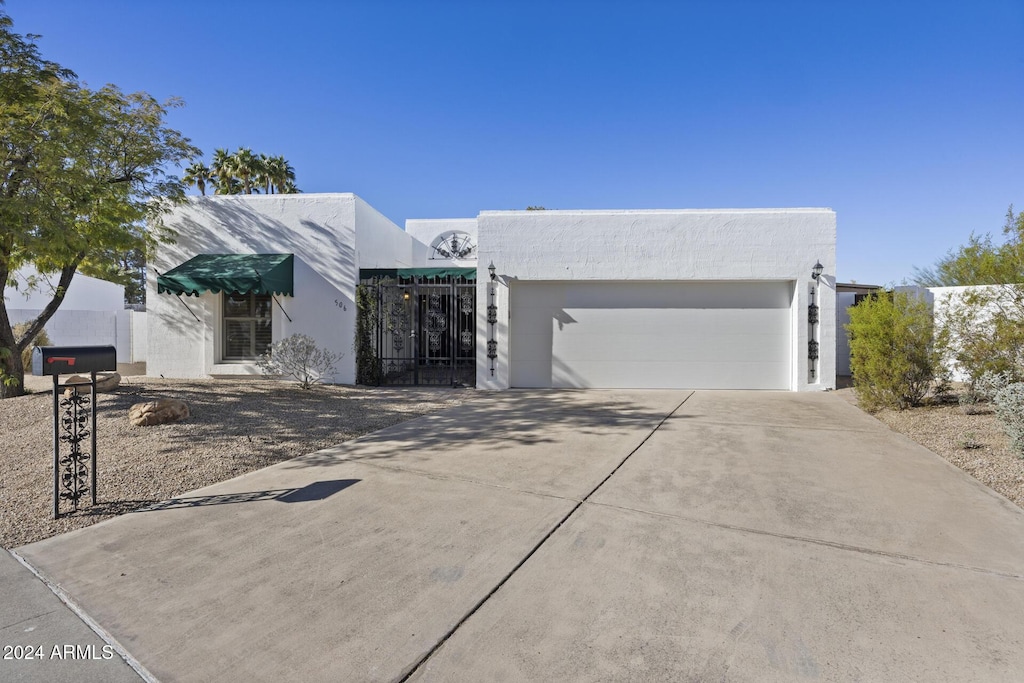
(422,330)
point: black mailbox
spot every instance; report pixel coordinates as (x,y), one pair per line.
(63,360)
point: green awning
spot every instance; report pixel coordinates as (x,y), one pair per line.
(242,273)
(427,273)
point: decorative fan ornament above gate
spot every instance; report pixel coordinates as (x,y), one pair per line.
(454,245)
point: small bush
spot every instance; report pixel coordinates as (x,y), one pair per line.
(893,352)
(299,357)
(42,339)
(969,403)
(1010,411)
(968,441)
(991,383)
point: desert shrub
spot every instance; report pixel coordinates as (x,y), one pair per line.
(42,339)
(893,352)
(991,383)
(969,441)
(985,328)
(299,357)
(1010,411)
(969,402)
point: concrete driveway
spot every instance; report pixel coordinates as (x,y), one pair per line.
(589,536)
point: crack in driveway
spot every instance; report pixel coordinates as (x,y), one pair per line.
(440,643)
(814,541)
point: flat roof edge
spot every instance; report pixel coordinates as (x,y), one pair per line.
(518,212)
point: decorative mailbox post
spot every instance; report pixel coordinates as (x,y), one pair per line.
(78,421)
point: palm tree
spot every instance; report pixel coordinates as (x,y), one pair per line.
(262,178)
(197,174)
(244,171)
(245,165)
(279,174)
(221,171)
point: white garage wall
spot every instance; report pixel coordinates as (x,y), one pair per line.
(702,245)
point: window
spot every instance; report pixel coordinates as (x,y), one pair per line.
(247,326)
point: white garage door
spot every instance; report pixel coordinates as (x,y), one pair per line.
(658,335)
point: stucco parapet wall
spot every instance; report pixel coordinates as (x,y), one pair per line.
(614,212)
(659,244)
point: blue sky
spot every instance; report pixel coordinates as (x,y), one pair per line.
(904,117)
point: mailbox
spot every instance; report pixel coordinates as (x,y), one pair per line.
(64,360)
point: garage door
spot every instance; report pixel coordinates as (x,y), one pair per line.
(668,335)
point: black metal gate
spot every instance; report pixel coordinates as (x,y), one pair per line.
(422,327)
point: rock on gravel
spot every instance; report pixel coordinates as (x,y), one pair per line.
(235,427)
(158,412)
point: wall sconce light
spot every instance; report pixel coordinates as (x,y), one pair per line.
(816,270)
(491,269)
(405,295)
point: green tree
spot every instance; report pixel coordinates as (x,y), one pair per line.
(894,354)
(981,261)
(82,176)
(985,330)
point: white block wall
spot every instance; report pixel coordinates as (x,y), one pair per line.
(941,299)
(332,237)
(685,245)
(74,328)
(84,293)
(124,329)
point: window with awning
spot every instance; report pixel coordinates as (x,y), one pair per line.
(260,274)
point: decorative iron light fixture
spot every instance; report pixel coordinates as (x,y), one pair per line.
(492,316)
(813,317)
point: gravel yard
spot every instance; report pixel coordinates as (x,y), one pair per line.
(976,443)
(235,427)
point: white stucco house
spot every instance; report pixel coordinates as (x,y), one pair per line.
(703,299)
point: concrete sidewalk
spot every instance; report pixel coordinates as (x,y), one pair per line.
(583,536)
(42,639)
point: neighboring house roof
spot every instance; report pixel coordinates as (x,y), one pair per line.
(856,288)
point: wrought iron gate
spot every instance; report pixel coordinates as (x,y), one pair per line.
(423,328)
